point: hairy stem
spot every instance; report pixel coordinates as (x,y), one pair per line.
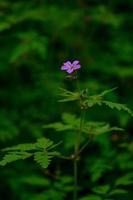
(76,150)
(80,131)
(75,192)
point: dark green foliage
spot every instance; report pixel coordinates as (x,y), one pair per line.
(90,101)
(91,197)
(125,180)
(40,151)
(36,37)
(71,123)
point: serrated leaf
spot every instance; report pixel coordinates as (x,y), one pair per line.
(42,159)
(41,156)
(107,91)
(125,180)
(118,106)
(97,128)
(44,143)
(58,126)
(70,122)
(14,156)
(116,129)
(97,168)
(99,100)
(93,100)
(117,191)
(21,147)
(68,95)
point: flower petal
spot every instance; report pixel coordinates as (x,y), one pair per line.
(75,62)
(68,63)
(64,67)
(76,67)
(70,71)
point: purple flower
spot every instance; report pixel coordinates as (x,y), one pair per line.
(70,67)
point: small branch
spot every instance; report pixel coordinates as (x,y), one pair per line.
(66,157)
(76,150)
(75,192)
(51,175)
(55,145)
(82,148)
(74,156)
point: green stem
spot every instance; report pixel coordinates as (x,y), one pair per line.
(82,148)
(80,131)
(75,192)
(76,150)
(77,82)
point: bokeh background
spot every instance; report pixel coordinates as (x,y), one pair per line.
(36,37)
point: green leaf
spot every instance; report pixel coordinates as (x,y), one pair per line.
(53,153)
(93,100)
(97,168)
(14,156)
(35,180)
(58,126)
(107,91)
(70,122)
(99,100)
(68,96)
(30,42)
(68,118)
(118,106)
(101,189)
(42,158)
(125,180)
(98,128)
(21,147)
(39,150)
(117,191)
(66,180)
(44,143)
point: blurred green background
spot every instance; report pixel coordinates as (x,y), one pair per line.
(36,37)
